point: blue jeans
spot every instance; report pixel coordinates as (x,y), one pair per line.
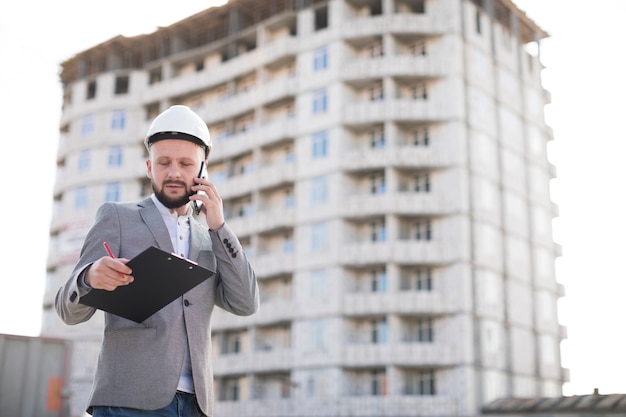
(183,405)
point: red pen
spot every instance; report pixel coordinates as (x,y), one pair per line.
(110,253)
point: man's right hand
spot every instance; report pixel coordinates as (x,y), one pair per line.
(108,273)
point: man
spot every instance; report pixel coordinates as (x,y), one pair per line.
(162,366)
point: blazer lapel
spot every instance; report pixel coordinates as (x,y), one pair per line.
(199,238)
(153,219)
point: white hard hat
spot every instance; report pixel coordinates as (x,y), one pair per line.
(179,122)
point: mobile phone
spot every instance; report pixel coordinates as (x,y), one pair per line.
(197,204)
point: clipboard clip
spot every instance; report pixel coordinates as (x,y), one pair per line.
(182,257)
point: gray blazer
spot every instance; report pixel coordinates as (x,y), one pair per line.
(140,363)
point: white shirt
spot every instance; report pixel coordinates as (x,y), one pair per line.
(179,230)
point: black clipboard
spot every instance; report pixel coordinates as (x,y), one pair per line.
(160,277)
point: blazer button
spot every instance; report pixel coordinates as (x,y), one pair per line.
(73,296)
(187,303)
(234,255)
(225,240)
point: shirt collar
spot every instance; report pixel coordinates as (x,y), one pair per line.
(165,212)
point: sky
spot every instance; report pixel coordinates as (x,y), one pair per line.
(585,75)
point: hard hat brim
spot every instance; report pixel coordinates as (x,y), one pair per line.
(176,135)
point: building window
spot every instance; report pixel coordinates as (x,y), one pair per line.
(319,191)
(421,137)
(423,230)
(321,18)
(115,156)
(91,90)
(422,183)
(378,232)
(317,331)
(377,138)
(419,382)
(290,201)
(81,198)
(375,49)
(419,92)
(378,281)
(84,160)
(378,383)
(418,48)
(319,236)
(118,120)
(231,343)
(320,59)
(418,280)
(419,330)
(477,21)
(379,331)
(112,192)
(121,85)
(320,144)
(288,245)
(319,284)
(87,125)
(419,7)
(231,389)
(376,92)
(320,101)
(155,76)
(377,184)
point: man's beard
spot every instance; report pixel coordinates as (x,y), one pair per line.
(172,203)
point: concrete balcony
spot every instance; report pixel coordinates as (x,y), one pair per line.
(275,311)
(69,178)
(263,135)
(232,106)
(409,302)
(400,156)
(264,221)
(337,405)
(258,361)
(237,186)
(206,79)
(365,205)
(368,112)
(273,264)
(400,251)
(276,174)
(405,354)
(395,65)
(267,176)
(436,23)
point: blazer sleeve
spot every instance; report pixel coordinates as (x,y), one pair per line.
(237,289)
(67,301)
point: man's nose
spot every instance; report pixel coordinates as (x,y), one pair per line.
(173,172)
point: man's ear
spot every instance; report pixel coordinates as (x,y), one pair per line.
(149,168)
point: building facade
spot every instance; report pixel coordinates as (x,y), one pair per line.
(384,163)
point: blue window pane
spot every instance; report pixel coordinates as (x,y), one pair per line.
(320,101)
(115,156)
(118,120)
(112,192)
(320,144)
(319,237)
(319,191)
(84,160)
(87,126)
(320,59)
(80,199)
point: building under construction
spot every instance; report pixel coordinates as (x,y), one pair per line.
(384,164)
